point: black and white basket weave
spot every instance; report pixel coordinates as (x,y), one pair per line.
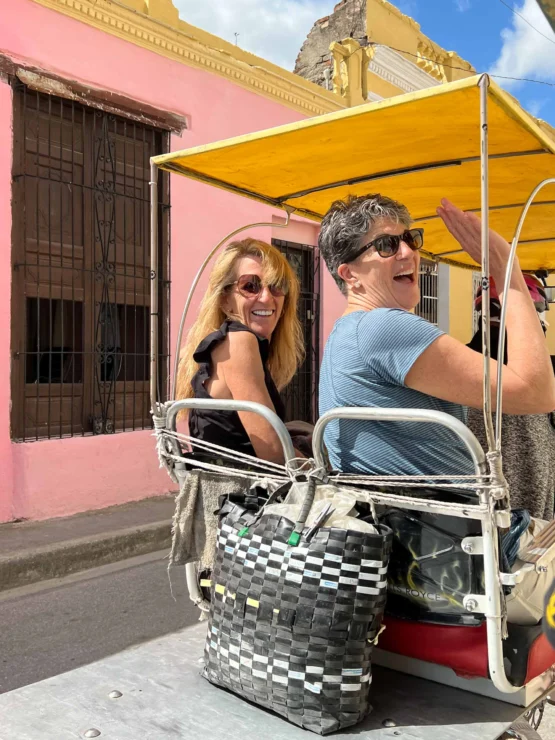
(292,628)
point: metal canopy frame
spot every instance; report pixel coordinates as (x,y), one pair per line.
(492,508)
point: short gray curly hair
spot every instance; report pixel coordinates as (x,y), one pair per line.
(348,221)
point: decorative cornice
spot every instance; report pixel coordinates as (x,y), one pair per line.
(395,11)
(183,43)
(434,50)
(393,67)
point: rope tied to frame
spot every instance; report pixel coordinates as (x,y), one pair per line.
(299,466)
(166,457)
(499,486)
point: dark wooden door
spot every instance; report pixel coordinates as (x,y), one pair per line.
(301,395)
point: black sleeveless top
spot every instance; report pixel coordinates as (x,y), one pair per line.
(224,427)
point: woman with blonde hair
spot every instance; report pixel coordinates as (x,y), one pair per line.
(246,344)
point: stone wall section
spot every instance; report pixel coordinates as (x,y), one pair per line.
(314,61)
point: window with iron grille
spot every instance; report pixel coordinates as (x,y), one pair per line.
(81,269)
(427,308)
(301,395)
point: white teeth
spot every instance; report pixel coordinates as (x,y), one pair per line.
(263,313)
(407,272)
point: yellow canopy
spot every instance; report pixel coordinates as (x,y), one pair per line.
(415,148)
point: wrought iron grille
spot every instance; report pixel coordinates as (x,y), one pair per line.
(427,308)
(301,395)
(81,269)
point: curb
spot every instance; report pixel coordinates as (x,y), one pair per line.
(54,561)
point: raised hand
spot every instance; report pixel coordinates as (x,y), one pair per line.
(467,230)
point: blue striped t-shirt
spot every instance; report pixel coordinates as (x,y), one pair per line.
(366,360)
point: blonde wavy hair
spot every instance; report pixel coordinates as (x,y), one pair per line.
(286,345)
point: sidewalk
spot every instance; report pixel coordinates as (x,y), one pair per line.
(36,551)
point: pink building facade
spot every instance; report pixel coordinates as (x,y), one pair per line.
(125,68)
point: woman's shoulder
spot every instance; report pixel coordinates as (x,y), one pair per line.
(394,333)
(397,315)
(232,340)
(383,319)
(243,341)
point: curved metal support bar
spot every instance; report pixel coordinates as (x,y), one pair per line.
(289,210)
(484,216)
(232,405)
(195,593)
(381,414)
(503,321)
(494,619)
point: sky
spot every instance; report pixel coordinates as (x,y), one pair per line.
(486,33)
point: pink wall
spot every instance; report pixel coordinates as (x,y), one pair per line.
(61,477)
(6,463)
(298,230)
(333,303)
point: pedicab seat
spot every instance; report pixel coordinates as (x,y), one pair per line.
(464,649)
(428,577)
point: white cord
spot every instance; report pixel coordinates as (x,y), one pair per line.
(224,451)
(292,468)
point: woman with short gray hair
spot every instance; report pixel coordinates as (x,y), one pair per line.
(380,354)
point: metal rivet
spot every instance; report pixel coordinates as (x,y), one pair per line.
(468,547)
(471,605)
(93,732)
(115,694)
(389,723)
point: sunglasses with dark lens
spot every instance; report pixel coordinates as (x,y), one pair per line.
(388,245)
(250,286)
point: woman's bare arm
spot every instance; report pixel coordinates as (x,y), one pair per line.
(237,362)
(451,371)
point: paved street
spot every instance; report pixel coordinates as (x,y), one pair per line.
(54,627)
(547,729)
(59,625)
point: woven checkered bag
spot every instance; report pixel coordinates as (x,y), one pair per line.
(292,627)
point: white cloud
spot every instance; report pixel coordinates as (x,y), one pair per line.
(408,7)
(272,29)
(534,106)
(525,53)
(462,5)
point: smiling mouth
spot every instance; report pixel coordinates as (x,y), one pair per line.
(264,314)
(406,278)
